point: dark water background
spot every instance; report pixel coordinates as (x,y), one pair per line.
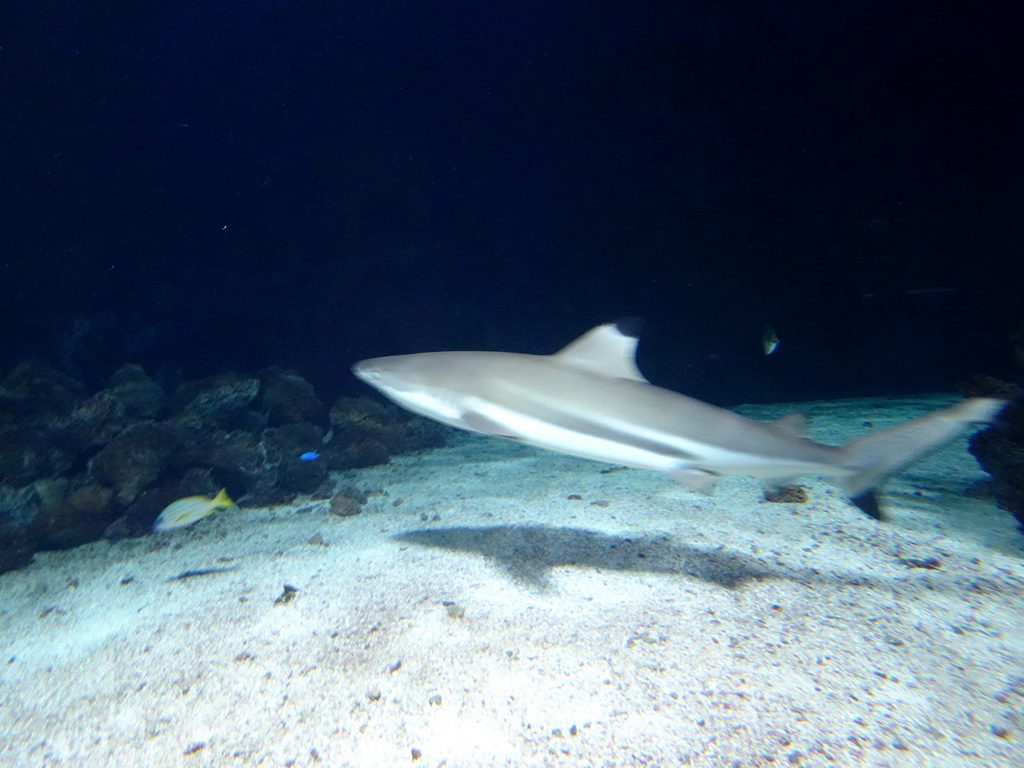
(210,185)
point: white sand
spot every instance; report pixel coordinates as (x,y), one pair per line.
(641,625)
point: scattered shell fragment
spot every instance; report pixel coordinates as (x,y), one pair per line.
(928,563)
(455,611)
(787,494)
(286,595)
(345,506)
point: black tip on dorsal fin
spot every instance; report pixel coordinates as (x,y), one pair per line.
(630,326)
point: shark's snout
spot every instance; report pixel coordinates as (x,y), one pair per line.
(367,371)
(362,370)
(380,376)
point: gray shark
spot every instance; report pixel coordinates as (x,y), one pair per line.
(590,400)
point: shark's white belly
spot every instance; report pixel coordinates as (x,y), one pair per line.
(637,446)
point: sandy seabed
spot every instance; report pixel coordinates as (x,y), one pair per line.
(495,605)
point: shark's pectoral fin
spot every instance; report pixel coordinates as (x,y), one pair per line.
(477,422)
(697,479)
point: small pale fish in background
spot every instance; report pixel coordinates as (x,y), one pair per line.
(183,512)
(309,456)
(769,340)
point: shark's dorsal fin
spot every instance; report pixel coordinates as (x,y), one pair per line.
(606,350)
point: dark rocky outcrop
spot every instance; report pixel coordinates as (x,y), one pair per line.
(1000,448)
(77,465)
(288,398)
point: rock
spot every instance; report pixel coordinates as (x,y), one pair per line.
(982,385)
(1003,458)
(360,452)
(92,422)
(1000,448)
(17,541)
(249,464)
(293,440)
(76,466)
(261,468)
(325,491)
(117,530)
(34,401)
(18,456)
(32,390)
(139,395)
(219,400)
(134,459)
(92,499)
(33,450)
(345,506)
(287,397)
(372,426)
(455,611)
(297,438)
(18,509)
(786,494)
(51,490)
(67,520)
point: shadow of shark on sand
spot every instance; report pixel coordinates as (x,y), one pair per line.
(528,552)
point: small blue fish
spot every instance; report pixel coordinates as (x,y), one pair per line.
(184,512)
(309,456)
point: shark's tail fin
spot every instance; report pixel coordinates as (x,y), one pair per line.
(876,456)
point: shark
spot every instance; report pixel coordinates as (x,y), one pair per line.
(590,400)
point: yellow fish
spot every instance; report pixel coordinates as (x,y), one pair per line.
(184,512)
